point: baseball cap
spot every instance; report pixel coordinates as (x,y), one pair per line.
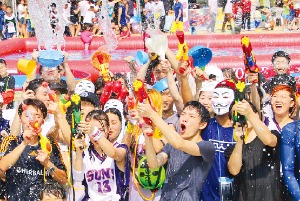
(90,97)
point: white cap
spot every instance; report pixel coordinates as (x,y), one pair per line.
(215,70)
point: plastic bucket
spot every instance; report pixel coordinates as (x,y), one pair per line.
(201,55)
(141,57)
(50,58)
(161,85)
(26,66)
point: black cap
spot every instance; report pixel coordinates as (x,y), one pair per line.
(90,97)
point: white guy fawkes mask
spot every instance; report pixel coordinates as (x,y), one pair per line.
(84,85)
(221,100)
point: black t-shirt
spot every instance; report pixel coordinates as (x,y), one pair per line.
(7,82)
(185,173)
(24,180)
(259,177)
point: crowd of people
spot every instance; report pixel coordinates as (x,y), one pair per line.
(166,132)
(125,19)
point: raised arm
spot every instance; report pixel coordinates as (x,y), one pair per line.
(261,130)
(235,161)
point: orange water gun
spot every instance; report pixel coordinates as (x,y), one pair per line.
(249,58)
(131,102)
(103,67)
(64,103)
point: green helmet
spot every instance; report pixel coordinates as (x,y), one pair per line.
(150,179)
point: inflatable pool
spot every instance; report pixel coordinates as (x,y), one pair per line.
(227,51)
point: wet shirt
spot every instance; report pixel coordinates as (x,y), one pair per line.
(290,152)
(259,177)
(174,120)
(7,82)
(25,179)
(186,173)
(222,138)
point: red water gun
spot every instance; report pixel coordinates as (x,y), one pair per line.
(8,96)
(51,93)
(249,58)
(131,102)
(142,96)
(32,122)
(113,88)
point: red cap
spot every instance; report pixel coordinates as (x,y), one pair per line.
(226,83)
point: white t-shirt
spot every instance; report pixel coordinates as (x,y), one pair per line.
(297,4)
(88,17)
(158,8)
(21,11)
(228,7)
(213,6)
(83,7)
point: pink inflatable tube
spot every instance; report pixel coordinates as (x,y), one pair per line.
(260,42)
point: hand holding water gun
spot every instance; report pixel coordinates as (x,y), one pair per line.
(183,49)
(64,103)
(249,58)
(131,102)
(32,122)
(51,93)
(142,96)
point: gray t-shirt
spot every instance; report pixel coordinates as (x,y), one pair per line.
(186,173)
(174,119)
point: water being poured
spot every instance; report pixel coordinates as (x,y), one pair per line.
(47,37)
(110,37)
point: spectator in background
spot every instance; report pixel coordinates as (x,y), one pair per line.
(83,7)
(285,14)
(89,17)
(227,10)
(246,8)
(297,13)
(178,23)
(122,14)
(213,9)
(2,13)
(10,23)
(7,81)
(159,12)
(21,18)
(130,11)
(74,19)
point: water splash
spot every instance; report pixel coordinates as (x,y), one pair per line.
(110,37)
(47,37)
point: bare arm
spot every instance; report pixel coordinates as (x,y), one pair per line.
(235,160)
(143,71)
(174,92)
(154,160)
(172,59)
(70,79)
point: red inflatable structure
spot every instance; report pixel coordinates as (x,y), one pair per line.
(228,48)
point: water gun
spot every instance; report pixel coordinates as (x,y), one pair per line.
(64,103)
(183,50)
(76,118)
(103,67)
(239,96)
(51,93)
(113,90)
(131,102)
(44,141)
(8,96)
(249,58)
(142,95)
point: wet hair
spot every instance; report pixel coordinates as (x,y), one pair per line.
(53,188)
(116,112)
(2,61)
(57,86)
(281,54)
(37,104)
(292,95)
(120,75)
(152,65)
(35,84)
(98,115)
(201,110)
(99,83)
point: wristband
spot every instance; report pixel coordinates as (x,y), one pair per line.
(129,128)
(96,135)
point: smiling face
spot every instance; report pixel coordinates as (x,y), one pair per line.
(281,102)
(167,100)
(221,100)
(281,65)
(190,123)
(205,100)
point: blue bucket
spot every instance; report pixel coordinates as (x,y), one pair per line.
(141,57)
(50,58)
(161,85)
(201,55)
